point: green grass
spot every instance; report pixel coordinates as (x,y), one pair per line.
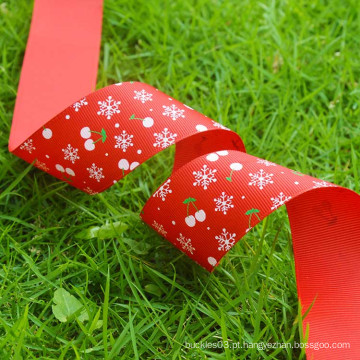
(284,75)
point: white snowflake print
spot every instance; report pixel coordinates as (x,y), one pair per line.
(163,190)
(265,162)
(79,104)
(143,96)
(109,107)
(279,200)
(220,126)
(261,179)
(70,153)
(185,243)
(204,177)
(28,146)
(123,141)
(223,203)
(95,172)
(225,240)
(321,184)
(164,139)
(40,165)
(159,228)
(173,112)
(90,191)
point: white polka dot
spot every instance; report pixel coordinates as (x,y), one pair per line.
(134,165)
(89,145)
(282,172)
(47,156)
(114,181)
(200,128)
(47,133)
(139,151)
(158,208)
(212,261)
(85,132)
(170,99)
(173,222)
(243,197)
(212,157)
(236,166)
(151,110)
(296,183)
(117,125)
(70,171)
(106,154)
(123,164)
(67,117)
(222,153)
(59,167)
(208,228)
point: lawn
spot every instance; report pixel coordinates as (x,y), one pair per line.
(282,74)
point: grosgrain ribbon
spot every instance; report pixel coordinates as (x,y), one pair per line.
(216,192)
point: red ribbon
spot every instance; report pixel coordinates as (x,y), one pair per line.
(216,192)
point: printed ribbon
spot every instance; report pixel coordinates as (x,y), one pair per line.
(216,192)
